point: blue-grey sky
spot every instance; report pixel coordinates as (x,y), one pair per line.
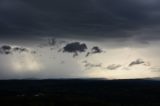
(112,39)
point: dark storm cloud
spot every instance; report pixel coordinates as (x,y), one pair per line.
(75,47)
(137,62)
(20,49)
(7,49)
(85,19)
(94,50)
(113,67)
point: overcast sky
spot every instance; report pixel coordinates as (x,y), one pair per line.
(113,39)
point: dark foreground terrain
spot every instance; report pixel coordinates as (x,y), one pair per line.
(79,92)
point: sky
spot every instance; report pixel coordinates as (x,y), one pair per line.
(112,39)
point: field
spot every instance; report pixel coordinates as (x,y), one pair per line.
(79,92)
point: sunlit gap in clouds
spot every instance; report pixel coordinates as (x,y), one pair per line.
(123,74)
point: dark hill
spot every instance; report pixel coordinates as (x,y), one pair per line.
(78,92)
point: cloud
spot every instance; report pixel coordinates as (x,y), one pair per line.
(94,50)
(52,42)
(75,48)
(20,49)
(155,69)
(137,62)
(89,19)
(113,67)
(89,65)
(33,52)
(5,49)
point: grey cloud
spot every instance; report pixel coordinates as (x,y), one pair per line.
(20,49)
(33,52)
(113,67)
(52,42)
(49,42)
(7,49)
(75,48)
(89,65)
(89,19)
(155,69)
(136,62)
(94,50)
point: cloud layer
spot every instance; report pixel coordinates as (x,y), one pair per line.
(89,19)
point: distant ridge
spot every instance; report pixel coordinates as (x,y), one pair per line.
(157,79)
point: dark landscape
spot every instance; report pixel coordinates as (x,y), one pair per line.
(79,92)
(79,52)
